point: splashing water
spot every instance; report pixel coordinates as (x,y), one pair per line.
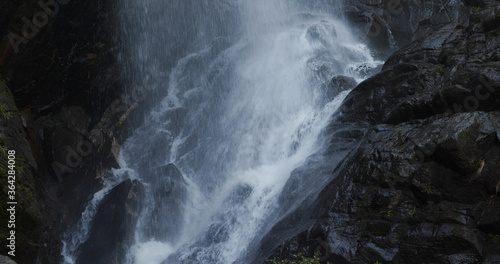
(248,96)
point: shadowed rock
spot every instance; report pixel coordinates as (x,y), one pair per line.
(112,231)
(338,84)
(420,185)
(169,191)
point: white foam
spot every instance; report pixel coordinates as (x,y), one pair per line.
(151,252)
(257,120)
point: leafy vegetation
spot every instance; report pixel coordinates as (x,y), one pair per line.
(5,112)
(298,259)
(390,213)
(4,94)
(429,190)
(477,165)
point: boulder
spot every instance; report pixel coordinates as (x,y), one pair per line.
(338,84)
(113,227)
(388,25)
(169,193)
(323,33)
(6,260)
(420,183)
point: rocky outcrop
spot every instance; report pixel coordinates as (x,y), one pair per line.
(422,180)
(31,222)
(6,260)
(169,191)
(389,24)
(453,70)
(58,58)
(112,231)
(338,84)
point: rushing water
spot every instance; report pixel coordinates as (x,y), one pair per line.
(247,100)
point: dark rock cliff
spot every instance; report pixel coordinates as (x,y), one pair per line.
(421,183)
(110,235)
(58,59)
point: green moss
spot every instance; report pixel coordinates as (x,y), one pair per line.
(429,190)
(5,112)
(5,96)
(26,222)
(390,213)
(476,8)
(298,259)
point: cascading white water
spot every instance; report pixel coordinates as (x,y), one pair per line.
(245,106)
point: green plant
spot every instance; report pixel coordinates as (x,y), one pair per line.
(390,213)
(476,8)
(493,236)
(377,262)
(4,149)
(413,211)
(497,186)
(298,259)
(19,169)
(477,165)
(386,213)
(440,68)
(5,112)
(429,190)
(491,200)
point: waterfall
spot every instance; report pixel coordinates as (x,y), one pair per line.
(248,94)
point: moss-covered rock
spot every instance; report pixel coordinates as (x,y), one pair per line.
(65,82)
(30,225)
(6,260)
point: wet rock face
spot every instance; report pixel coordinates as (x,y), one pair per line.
(340,83)
(31,216)
(414,193)
(389,24)
(411,193)
(112,231)
(321,32)
(66,85)
(329,90)
(169,191)
(453,70)
(422,183)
